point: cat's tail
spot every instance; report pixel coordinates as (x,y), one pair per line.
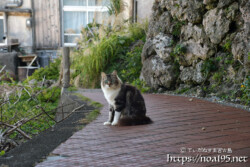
(130,121)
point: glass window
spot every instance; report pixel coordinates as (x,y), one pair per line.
(74,22)
(97,17)
(78,13)
(75,2)
(98,2)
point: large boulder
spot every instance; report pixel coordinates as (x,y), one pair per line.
(158,74)
(195,51)
(161,25)
(163,46)
(193,75)
(193,31)
(216,25)
(148,50)
(189,10)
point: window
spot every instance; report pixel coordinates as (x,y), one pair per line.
(2,41)
(77,14)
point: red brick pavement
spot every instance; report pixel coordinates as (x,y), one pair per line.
(178,123)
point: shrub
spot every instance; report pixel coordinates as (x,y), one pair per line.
(50,72)
(106,54)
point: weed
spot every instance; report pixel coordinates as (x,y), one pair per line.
(217,77)
(182,90)
(2,153)
(245,88)
(177,27)
(141,85)
(72,89)
(49,72)
(208,66)
(90,117)
(115,7)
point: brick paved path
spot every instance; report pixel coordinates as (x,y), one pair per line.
(178,122)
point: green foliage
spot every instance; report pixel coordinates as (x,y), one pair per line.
(115,7)
(72,89)
(245,88)
(83,98)
(92,115)
(141,85)
(96,104)
(106,54)
(217,77)
(26,107)
(227,46)
(49,95)
(179,50)
(2,153)
(49,72)
(177,27)
(131,65)
(208,66)
(181,91)
(89,101)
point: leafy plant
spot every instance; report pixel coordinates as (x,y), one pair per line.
(132,65)
(218,76)
(179,49)
(107,54)
(227,46)
(2,153)
(29,102)
(245,88)
(49,72)
(141,85)
(208,66)
(177,27)
(115,7)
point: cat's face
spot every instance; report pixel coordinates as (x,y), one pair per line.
(110,80)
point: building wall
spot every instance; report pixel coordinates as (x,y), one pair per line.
(47,24)
(17,26)
(127,13)
(144,9)
(17,30)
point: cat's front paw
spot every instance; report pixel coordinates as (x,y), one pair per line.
(114,123)
(107,123)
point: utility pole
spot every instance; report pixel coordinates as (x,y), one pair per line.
(66,67)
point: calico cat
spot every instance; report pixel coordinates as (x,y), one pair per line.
(126,104)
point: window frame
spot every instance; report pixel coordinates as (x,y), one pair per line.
(86,9)
(5,41)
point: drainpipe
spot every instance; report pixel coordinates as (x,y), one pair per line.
(135,11)
(14,3)
(33,27)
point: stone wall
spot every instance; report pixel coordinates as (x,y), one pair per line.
(192,43)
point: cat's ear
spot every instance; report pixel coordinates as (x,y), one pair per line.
(103,75)
(114,72)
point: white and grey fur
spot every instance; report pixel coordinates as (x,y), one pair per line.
(126,104)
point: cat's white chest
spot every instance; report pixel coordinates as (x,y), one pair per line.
(110,95)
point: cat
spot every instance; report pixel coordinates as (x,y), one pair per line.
(126,104)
